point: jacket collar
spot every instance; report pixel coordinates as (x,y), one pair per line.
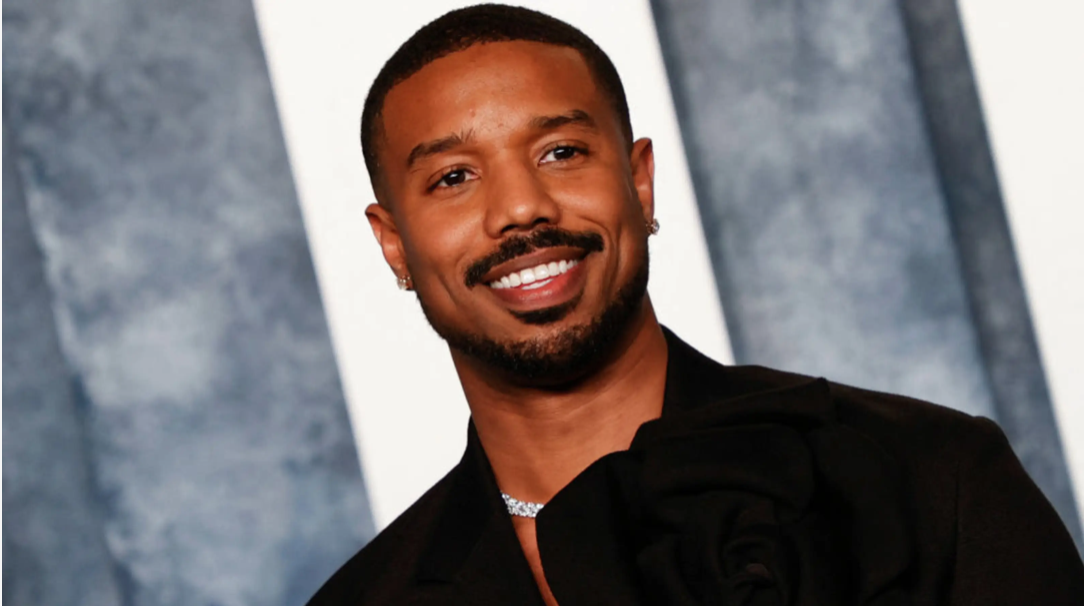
(470,506)
(473,509)
(692,379)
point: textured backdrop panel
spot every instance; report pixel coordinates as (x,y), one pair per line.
(187,307)
(987,257)
(54,548)
(819,194)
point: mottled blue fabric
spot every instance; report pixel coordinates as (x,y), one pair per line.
(184,293)
(819,196)
(847,240)
(980,227)
(54,545)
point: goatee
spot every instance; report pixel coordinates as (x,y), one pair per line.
(561,358)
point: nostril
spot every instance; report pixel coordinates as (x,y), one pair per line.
(511,227)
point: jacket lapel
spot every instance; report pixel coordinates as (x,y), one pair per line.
(694,380)
(473,556)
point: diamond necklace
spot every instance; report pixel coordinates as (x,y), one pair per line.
(519,508)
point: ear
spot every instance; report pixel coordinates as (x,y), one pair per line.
(387,235)
(642,161)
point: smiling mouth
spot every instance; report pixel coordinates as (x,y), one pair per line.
(536,277)
(535,251)
(539,283)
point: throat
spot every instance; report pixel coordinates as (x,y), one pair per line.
(538,441)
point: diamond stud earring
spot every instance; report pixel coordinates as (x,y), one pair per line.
(653,227)
(405,283)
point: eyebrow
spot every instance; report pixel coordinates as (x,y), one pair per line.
(576,116)
(437,146)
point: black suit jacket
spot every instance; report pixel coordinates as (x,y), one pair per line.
(755,486)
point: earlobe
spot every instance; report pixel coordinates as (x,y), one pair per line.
(387,235)
(642,160)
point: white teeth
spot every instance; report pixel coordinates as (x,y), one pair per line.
(534,274)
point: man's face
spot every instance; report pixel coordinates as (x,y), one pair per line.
(512,199)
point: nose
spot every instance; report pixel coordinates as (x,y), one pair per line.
(518,200)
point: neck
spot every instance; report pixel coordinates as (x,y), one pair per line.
(538,440)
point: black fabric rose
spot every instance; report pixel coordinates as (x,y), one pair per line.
(763,500)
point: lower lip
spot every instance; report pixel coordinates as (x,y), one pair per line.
(543,293)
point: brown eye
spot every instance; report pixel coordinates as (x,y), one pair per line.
(452,178)
(563,153)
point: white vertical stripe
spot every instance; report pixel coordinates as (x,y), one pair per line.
(406,406)
(1029,65)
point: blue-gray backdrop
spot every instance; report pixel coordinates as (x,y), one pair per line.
(175,430)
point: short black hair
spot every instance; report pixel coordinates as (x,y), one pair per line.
(463,28)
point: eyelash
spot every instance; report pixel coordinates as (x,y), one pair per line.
(455,169)
(582,151)
(451,171)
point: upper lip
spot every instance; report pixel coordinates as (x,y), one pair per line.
(531,260)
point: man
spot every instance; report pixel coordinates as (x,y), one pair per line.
(607,461)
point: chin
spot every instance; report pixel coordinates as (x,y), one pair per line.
(557,350)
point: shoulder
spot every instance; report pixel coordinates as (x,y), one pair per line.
(386,564)
(935,449)
(931,439)
(903,425)
(895,419)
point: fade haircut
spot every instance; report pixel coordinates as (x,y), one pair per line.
(463,28)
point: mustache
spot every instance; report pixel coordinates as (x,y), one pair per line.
(517,246)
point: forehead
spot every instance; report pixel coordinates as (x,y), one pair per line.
(487,86)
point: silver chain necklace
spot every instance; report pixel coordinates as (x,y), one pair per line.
(519,508)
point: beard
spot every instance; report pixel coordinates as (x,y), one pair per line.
(560,358)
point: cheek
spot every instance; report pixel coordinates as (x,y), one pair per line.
(437,242)
(602,197)
(608,204)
